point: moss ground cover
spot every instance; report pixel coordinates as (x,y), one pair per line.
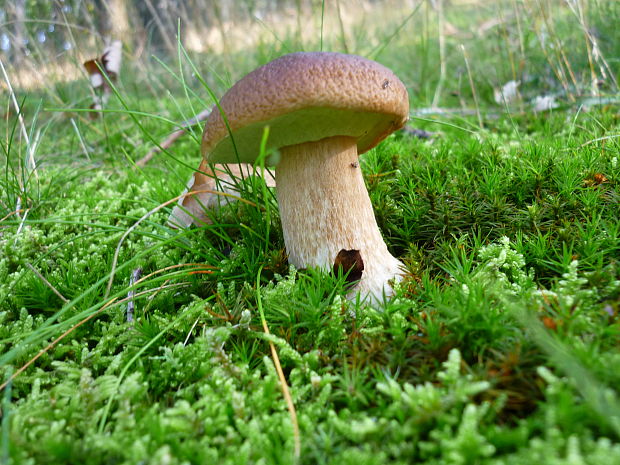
(501,345)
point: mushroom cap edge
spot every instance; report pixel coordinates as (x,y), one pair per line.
(302,97)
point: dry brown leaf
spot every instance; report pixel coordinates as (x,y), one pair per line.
(109,64)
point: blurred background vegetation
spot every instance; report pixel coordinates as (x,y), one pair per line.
(429,39)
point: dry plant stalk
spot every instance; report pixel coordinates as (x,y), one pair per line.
(51,345)
(144,217)
(105,306)
(22,125)
(471,85)
(283,384)
(442,53)
(287,395)
(171,139)
(30,149)
(47,283)
(25,366)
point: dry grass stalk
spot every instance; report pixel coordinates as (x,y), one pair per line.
(47,283)
(471,85)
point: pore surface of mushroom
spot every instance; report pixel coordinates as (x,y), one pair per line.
(323,109)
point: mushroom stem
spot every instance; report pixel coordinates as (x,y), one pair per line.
(325,208)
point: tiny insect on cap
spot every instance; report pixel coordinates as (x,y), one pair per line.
(305,97)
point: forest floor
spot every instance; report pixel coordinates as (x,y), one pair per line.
(500,346)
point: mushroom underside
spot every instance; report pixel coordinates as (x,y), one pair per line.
(308,124)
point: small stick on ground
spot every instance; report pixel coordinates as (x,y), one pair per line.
(166,143)
(135,276)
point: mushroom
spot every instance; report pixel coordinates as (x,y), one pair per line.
(323,109)
(210,188)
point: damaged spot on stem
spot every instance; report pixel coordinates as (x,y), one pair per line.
(349,261)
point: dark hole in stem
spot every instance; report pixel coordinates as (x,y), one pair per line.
(349,263)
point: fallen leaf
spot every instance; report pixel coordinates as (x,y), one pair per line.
(550,323)
(111,59)
(544,103)
(109,64)
(508,93)
(595,180)
(599,178)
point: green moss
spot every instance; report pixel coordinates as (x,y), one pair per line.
(499,347)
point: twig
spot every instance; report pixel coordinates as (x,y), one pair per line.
(162,146)
(130,295)
(173,137)
(47,283)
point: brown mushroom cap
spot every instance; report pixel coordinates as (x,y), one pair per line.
(306,97)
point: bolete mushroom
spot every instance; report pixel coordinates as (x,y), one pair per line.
(323,109)
(209,188)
